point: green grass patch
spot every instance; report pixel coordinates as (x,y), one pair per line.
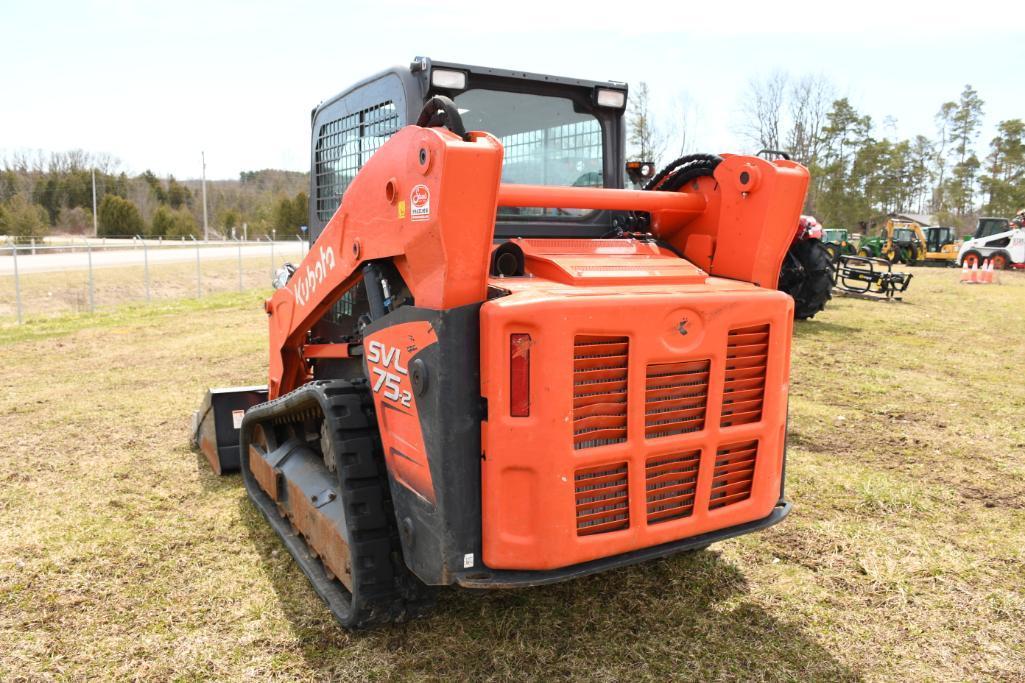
(138,313)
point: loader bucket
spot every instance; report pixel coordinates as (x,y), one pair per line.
(215,426)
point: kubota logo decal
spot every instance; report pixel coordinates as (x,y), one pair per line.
(419,203)
(390,358)
(304,283)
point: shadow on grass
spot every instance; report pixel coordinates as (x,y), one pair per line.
(682,617)
(211,481)
(819,328)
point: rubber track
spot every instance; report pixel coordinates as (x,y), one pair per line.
(384,590)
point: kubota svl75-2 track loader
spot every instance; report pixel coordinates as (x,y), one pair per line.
(495,367)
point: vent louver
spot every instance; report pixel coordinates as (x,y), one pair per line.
(670,485)
(675,398)
(733,474)
(599,390)
(602,499)
(744,384)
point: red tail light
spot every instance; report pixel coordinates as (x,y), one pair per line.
(519,375)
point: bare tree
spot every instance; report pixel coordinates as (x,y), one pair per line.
(810,99)
(944,123)
(763,110)
(647,140)
(686,115)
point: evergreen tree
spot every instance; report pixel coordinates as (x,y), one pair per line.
(177,194)
(119,217)
(23,220)
(162,222)
(1004,180)
(47,194)
(920,172)
(229,219)
(289,214)
(183,224)
(8,184)
(844,168)
(155,186)
(965,121)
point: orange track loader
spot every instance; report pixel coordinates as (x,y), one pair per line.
(497,368)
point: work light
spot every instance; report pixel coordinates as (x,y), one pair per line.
(615,99)
(450,80)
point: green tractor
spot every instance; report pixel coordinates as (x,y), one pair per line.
(897,243)
(837,242)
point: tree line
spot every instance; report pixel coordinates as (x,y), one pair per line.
(53,193)
(861,170)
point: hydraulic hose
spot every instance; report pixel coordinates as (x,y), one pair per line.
(681,171)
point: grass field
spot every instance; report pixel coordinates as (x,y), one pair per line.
(49,294)
(122,556)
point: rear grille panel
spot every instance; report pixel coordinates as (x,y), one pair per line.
(675,403)
(733,473)
(602,499)
(675,398)
(670,485)
(599,390)
(747,354)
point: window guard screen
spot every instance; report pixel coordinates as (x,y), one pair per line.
(344,146)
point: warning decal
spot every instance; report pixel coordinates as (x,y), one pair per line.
(419,203)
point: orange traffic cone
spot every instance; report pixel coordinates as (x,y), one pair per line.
(975,273)
(990,272)
(966,275)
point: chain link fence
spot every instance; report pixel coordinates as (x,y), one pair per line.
(60,277)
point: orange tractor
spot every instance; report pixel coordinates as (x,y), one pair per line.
(497,368)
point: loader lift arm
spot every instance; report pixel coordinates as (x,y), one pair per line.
(723,224)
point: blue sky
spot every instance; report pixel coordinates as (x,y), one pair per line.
(155,83)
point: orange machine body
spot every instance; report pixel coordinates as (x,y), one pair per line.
(658,364)
(657,408)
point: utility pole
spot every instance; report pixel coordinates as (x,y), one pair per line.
(206,227)
(96,230)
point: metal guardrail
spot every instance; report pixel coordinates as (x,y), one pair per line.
(17,252)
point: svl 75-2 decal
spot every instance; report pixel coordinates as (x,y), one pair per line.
(389,353)
(385,363)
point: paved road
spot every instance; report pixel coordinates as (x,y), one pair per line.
(52,262)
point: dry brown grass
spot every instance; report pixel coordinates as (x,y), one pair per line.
(122,556)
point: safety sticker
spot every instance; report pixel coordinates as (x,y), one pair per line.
(419,203)
(402,208)
(468,561)
(236,418)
